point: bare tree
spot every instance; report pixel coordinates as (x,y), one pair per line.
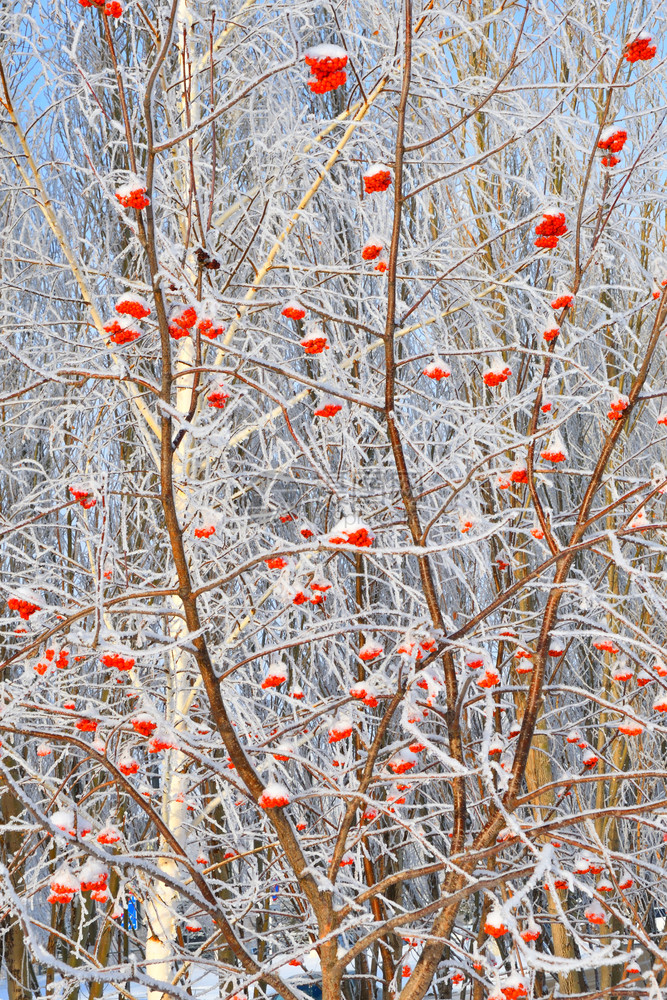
(332,499)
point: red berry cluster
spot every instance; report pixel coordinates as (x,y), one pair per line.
(640,49)
(315,345)
(361,538)
(328,410)
(109,835)
(121,333)
(95,883)
(205,532)
(144,726)
(489,679)
(436,371)
(136,198)
(378,180)
(181,322)
(400,766)
(273,680)
(118,661)
(494,376)
(86,725)
(276,562)
(128,305)
(217,399)
(329,81)
(562,302)
(270,800)
(612,141)
(371,251)
(24,608)
(294,311)
(207,328)
(327,70)
(553,455)
(159,743)
(111,8)
(301,598)
(59,897)
(617,407)
(550,229)
(128,767)
(83,496)
(61,661)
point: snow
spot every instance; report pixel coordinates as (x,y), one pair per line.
(609,131)
(376,168)
(133,183)
(325,50)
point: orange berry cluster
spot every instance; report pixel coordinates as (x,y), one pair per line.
(436,371)
(96,883)
(143,725)
(553,455)
(614,142)
(128,767)
(273,681)
(329,81)
(159,743)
